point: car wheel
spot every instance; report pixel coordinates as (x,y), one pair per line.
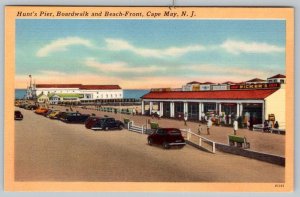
(166,145)
(150,142)
(120,127)
(106,128)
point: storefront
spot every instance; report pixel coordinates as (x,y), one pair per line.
(226,105)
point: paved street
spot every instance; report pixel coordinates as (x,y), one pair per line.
(50,150)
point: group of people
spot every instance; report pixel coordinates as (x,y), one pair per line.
(209,125)
(268,125)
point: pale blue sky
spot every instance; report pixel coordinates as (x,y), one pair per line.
(148,53)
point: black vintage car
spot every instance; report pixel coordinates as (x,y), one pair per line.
(18,115)
(167,137)
(107,124)
(75,117)
(30,107)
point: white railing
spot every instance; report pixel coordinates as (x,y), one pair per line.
(200,142)
(136,128)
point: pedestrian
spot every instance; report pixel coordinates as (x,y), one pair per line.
(199,129)
(133,112)
(235,126)
(202,117)
(266,126)
(185,118)
(276,125)
(209,124)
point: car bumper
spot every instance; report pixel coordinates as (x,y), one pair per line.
(97,128)
(177,144)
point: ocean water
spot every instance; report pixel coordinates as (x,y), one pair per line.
(132,93)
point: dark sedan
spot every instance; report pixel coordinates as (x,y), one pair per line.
(18,115)
(91,121)
(167,137)
(107,124)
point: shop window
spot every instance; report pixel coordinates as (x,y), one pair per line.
(209,107)
(193,111)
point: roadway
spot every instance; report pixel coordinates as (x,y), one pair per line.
(50,150)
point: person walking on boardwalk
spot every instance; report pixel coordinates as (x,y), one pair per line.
(185,118)
(199,129)
(235,126)
(209,124)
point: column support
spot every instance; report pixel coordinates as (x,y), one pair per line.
(200,110)
(143,107)
(150,107)
(172,109)
(241,109)
(237,110)
(161,109)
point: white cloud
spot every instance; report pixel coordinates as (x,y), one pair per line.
(122,45)
(118,67)
(61,45)
(237,47)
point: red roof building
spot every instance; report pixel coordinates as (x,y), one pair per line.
(255,104)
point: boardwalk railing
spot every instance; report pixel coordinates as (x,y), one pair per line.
(200,141)
(139,129)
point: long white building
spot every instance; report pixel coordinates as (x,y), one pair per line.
(87,92)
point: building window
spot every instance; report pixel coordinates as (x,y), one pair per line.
(281,80)
(106,95)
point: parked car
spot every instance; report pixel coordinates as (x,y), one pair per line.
(53,113)
(30,107)
(167,137)
(107,124)
(40,110)
(75,117)
(91,121)
(58,115)
(47,113)
(18,115)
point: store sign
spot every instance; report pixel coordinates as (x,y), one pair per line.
(204,87)
(196,87)
(219,87)
(256,86)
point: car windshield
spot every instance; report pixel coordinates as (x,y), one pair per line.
(174,132)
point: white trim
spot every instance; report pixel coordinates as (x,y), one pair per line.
(205,101)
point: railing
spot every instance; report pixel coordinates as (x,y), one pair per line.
(139,129)
(202,142)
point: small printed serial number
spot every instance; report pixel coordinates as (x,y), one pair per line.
(279,185)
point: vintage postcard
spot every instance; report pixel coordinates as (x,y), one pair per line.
(183,99)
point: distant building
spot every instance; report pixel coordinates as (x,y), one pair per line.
(256,80)
(42,98)
(277,79)
(85,93)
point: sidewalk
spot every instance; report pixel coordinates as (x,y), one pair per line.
(261,142)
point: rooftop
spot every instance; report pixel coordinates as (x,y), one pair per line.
(212,95)
(277,76)
(80,86)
